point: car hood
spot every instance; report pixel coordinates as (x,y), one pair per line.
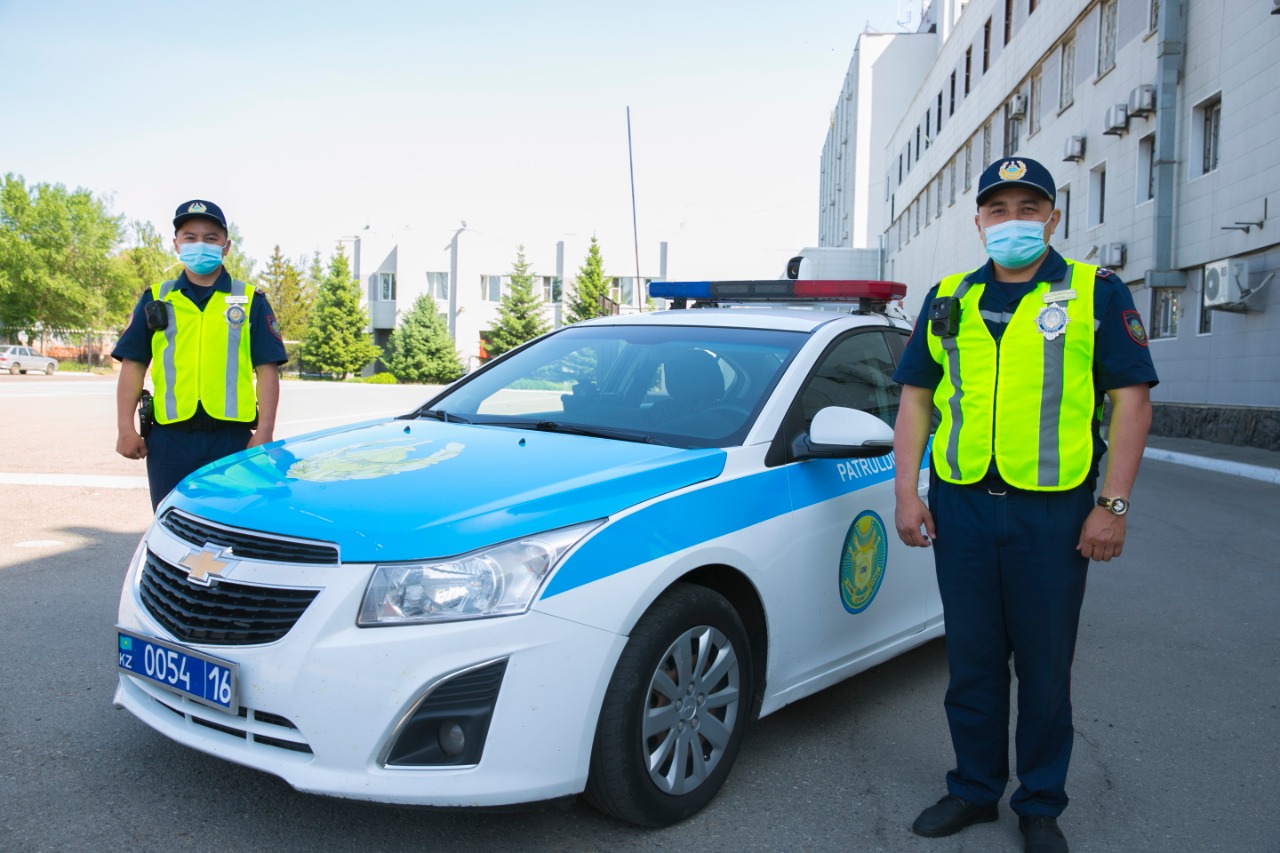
(410,490)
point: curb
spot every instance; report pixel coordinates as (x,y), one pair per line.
(1238,469)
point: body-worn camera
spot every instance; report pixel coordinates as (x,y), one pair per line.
(944,316)
(146,413)
(157,316)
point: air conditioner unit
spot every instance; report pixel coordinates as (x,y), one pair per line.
(1017,106)
(1111,255)
(1073,151)
(1142,100)
(1220,286)
(1116,121)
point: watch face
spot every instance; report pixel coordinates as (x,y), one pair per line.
(1119,506)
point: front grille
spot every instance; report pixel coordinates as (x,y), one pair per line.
(222,614)
(248,544)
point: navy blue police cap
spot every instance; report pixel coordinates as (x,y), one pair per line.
(199,209)
(1016,172)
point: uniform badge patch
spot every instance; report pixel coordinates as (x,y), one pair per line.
(274,325)
(862,561)
(1012,170)
(235,315)
(196,207)
(1052,320)
(1133,325)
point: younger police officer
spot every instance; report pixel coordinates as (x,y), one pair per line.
(207,339)
(1016,356)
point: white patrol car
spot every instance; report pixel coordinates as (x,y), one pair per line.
(583,568)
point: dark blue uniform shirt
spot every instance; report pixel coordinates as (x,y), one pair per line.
(1120,354)
(265,343)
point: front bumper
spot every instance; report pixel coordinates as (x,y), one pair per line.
(321,706)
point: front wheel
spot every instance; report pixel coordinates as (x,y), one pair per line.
(675,711)
(49,369)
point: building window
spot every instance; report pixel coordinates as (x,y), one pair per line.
(1164,312)
(491,288)
(1107,37)
(951,183)
(951,107)
(1064,204)
(1206,313)
(938,126)
(1008,21)
(968,68)
(1012,131)
(1067,75)
(968,165)
(1031,6)
(928,203)
(1146,168)
(550,288)
(1153,16)
(1097,195)
(986,145)
(438,284)
(928,125)
(1208,127)
(1033,103)
(385,286)
(986,46)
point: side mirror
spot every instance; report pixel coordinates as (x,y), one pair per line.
(840,433)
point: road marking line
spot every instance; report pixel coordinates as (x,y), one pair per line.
(79,480)
(1223,466)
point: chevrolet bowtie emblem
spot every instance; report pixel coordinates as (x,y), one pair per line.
(203,566)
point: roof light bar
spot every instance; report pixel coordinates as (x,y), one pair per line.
(779,290)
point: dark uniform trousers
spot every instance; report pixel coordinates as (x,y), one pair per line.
(1012,583)
(175,451)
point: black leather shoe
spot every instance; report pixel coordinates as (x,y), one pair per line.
(950,815)
(1042,834)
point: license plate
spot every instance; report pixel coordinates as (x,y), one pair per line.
(200,677)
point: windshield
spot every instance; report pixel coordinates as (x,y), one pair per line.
(685,386)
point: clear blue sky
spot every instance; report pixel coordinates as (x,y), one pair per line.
(307,121)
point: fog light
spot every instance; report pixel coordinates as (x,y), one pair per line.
(453,740)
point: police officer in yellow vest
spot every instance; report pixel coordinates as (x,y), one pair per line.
(1016,357)
(214,349)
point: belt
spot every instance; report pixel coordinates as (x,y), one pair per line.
(994,486)
(202,422)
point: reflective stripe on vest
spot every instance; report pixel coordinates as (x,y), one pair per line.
(203,357)
(1012,400)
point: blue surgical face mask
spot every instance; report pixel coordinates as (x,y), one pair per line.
(200,258)
(1016,243)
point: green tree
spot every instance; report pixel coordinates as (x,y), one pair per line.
(336,341)
(520,314)
(237,263)
(57,264)
(420,349)
(292,296)
(591,287)
(148,260)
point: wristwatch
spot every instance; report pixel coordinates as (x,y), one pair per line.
(1116,506)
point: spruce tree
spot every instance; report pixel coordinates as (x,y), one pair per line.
(591,286)
(420,349)
(520,314)
(336,341)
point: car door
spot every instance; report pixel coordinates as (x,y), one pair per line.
(861,589)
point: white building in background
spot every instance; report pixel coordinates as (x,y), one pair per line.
(1159,122)
(395,269)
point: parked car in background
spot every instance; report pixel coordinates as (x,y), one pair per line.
(17,359)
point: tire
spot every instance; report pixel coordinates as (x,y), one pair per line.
(49,369)
(15,369)
(692,746)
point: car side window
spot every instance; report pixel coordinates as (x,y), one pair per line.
(856,373)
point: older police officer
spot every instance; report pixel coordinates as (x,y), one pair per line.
(1016,356)
(214,348)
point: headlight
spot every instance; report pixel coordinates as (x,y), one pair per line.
(500,580)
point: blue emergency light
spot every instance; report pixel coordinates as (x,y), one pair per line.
(778,290)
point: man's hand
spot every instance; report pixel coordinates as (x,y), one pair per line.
(260,436)
(130,445)
(909,517)
(1102,537)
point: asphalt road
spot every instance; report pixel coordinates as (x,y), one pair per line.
(1176,689)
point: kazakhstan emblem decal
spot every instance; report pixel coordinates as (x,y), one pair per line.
(862,561)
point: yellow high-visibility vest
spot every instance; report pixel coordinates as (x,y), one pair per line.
(203,356)
(1029,400)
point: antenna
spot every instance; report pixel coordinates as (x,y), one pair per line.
(635,232)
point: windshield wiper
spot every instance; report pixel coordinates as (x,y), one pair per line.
(439,415)
(596,432)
